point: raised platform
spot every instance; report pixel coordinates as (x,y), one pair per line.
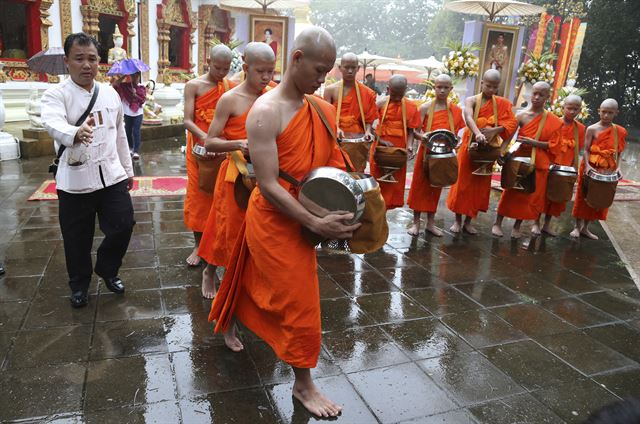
(36,143)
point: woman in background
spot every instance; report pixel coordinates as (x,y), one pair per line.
(133,95)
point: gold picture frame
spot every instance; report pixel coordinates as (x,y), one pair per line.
(495,54)
(260,25)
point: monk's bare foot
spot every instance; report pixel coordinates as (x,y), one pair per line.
(232,341)
(455,228)
(496,230)
(575,233)
(516,233)
(209,280)
(469,229)
(194,259)
(588,234)
(535,229)
(547,230)
(413,231)
(434,230)
(314,401)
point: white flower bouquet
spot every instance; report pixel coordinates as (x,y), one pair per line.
(461,63)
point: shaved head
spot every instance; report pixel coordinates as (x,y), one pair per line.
(542,85)
(398,81)
(609,104)
(492,75)
(443,79)
(349,57)
(220,52)
(258,52)
(315,42)
(573,99)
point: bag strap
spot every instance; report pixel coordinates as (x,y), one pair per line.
(225,85)
(432,111)
(92,102)
(358,96)
(615,143)
(538,134)
(576,145)
(404,116)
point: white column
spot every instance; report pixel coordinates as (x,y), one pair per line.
(76,16)
(154,53)
(55,30)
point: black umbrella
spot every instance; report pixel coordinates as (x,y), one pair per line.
(50,61)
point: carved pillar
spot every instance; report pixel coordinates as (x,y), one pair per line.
(90,20)
(144,36)
(130,6)
(65,18)
(174,13)
(45,23)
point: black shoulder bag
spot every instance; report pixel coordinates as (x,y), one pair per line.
(53,168)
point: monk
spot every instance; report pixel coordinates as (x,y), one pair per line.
(470,194)
(562,151)
(537,127)
(227,134)
(271,283)
(600,155)
(437,114)
(355,104)
(398,118)
(201,96)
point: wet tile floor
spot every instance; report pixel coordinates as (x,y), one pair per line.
(454,330)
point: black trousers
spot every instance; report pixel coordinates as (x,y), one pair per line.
(77,222)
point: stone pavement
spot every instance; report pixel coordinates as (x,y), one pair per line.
(460,329)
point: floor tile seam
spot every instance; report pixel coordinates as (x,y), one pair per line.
(85,412)
(623,257)
(542,281)
(361,396)
(174,380)
(83,398)
(539,399)
(527,392)
(632,367)
(379,367)
(579,299)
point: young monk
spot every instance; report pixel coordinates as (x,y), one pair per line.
(537,127)
(355,104)
(470,194)
(562,151)
(600,155)
(227,134)
(441,115)
(398,118)
(201,96)
(271,283)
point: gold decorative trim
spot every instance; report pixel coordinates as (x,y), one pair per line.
(18,71)
(208,25)
(45,23)
(144,30)
(130,6)
(168,16)
(65,19)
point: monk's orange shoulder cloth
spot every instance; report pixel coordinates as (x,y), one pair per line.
(271,283)
(601,155)
(197,203)
(470,194)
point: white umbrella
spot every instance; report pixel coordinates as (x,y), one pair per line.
(263,4)
(367,59)
(397,67)
(429,63)
(493,8)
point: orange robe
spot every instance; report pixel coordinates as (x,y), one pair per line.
(197,203)
(423,197)
(271,283)
(516,203)
(602,156)
(470,194)
(561,152)
(390,129)
(225,217)
(350,118)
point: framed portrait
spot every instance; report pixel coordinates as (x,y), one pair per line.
(273,31)
(498,51)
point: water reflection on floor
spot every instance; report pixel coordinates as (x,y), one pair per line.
(459,329)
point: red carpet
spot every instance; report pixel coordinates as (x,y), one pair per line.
(142,186)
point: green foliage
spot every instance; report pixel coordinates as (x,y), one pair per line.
(610,61)
(409,29)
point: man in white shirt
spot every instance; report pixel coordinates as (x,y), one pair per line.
(94,173)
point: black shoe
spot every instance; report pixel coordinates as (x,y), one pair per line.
(79,299)
(114,284)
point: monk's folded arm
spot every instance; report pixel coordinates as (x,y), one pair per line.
(263,127)
(213,142)
(189,111)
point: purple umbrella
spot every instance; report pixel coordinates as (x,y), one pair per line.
(128,67)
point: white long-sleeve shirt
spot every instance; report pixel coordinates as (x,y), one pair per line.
(104,162)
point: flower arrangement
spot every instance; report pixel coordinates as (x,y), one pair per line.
(537,68)
(236,56)
(558,104)
(461,62)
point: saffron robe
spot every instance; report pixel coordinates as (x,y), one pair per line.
(350,117)
(470,194)
(197,203)
(423,197)
(516,203)
(390,129)
(271,283)
(225,217)
(601,156)
(561,152)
